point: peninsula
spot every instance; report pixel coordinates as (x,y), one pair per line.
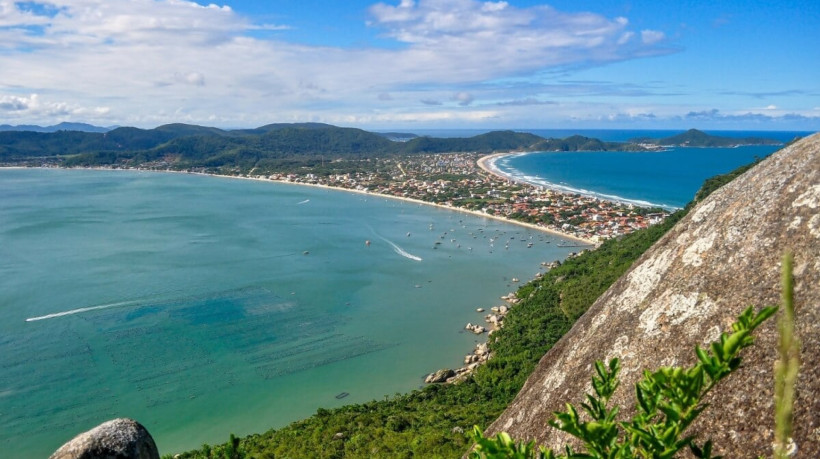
(696,138)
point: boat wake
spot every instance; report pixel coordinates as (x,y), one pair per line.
(80,310)
(396,248)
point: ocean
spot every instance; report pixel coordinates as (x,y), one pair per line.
(667,179)
(204,306)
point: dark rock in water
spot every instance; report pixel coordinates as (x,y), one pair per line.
(116,439)
(724,256)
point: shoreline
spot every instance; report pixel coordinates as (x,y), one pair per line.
(480,353)
(474,213)
(487,164)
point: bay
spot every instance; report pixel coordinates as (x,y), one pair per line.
(668,178)
(205,306)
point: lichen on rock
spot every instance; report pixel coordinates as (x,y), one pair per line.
(116,439)
(718,260)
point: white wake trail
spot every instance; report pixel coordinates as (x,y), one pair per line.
(395,246)
(78,311)
(401,251)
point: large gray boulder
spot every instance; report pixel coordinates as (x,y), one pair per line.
(691,285)
(116,439)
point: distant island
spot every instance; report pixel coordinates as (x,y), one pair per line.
(696,138)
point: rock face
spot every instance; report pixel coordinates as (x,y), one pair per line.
(721,258)
(116,439)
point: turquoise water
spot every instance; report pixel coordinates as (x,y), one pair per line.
(667,179)
(204,306)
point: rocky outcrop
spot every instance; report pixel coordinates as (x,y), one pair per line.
(722,257)
(439,376)
(116,439)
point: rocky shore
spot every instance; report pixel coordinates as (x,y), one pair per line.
(481,354)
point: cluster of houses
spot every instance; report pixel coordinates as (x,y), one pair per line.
(454,180)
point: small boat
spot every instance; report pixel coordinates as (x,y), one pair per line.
(342,395)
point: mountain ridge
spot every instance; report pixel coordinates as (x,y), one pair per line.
(184,146)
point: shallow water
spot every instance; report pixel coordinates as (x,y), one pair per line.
(204,306)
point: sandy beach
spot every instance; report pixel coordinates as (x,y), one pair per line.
(487,164)
(420,202)
(484,163)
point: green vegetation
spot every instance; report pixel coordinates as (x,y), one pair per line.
(431,422)
(786,367)
(271,148)
(696,138)
(669,400)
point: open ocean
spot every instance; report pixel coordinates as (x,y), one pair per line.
(667,179)
(205,306)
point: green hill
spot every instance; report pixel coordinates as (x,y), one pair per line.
(696,138)
(266,148)
(581,143)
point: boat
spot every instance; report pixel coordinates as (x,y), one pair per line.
(342,395)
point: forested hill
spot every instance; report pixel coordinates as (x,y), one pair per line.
(696,138)
(183,145)
(276,147)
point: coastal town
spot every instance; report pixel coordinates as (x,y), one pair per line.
(469,182)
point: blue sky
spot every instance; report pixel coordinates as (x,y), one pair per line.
(406,64)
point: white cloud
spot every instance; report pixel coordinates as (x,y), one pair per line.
(650,37)
(463,98)
(191,78)
(14,103)
(157,61)
(32,106)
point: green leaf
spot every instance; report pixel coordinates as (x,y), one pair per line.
(762,315)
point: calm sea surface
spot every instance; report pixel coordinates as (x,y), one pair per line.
(204,306)
(667,179)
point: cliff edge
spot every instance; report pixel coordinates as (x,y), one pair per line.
(691,285)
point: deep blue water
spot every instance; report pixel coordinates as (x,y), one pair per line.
(667,179)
